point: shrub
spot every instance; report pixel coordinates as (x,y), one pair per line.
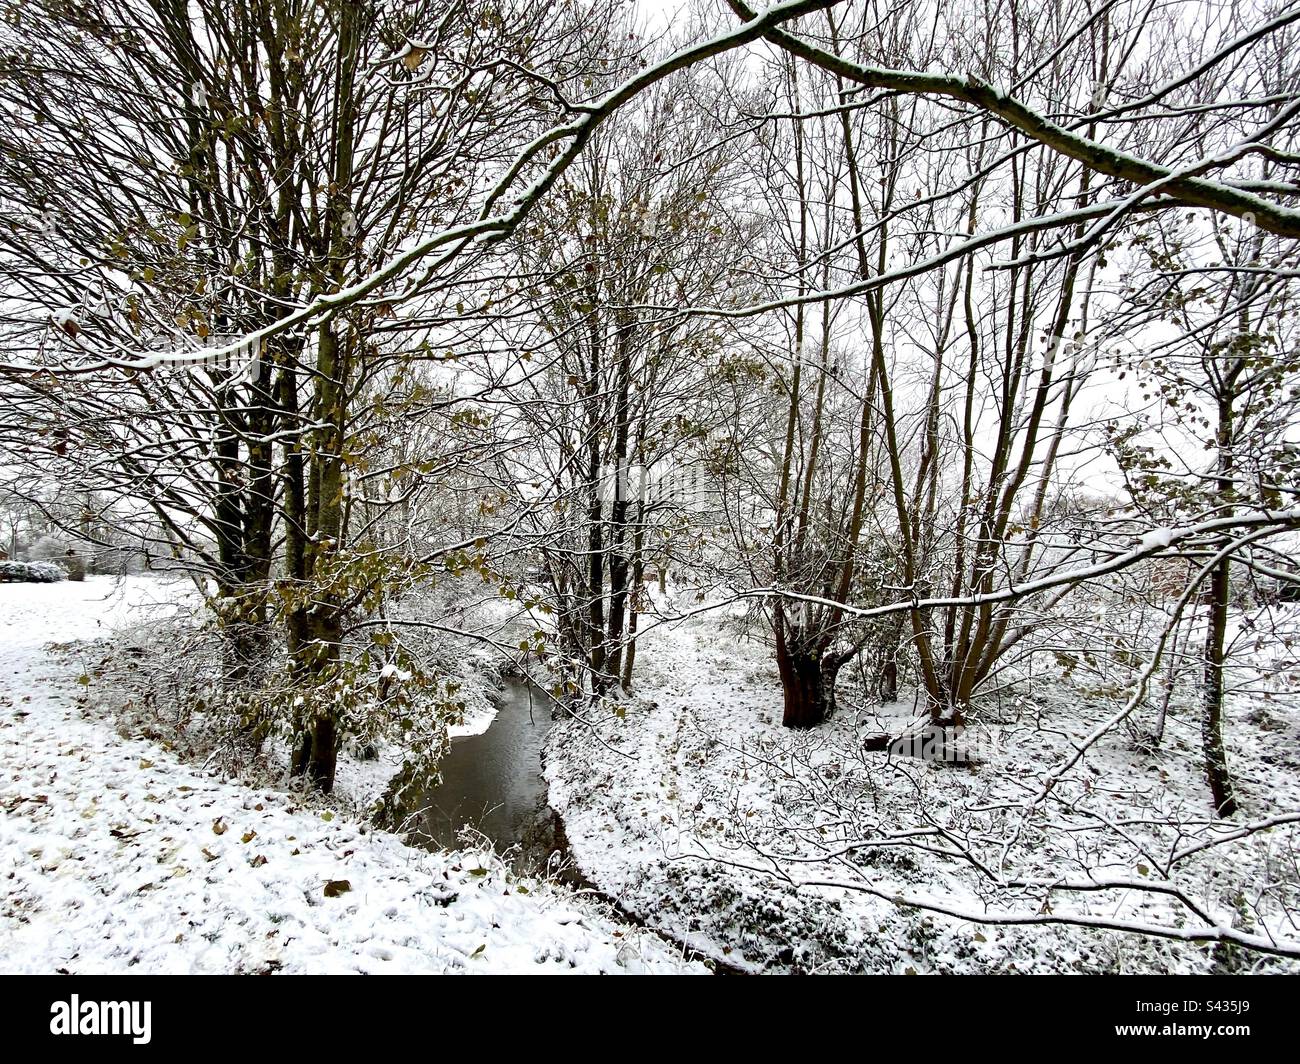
(31,572)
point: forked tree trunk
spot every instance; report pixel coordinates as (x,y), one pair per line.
(807,686)
(803,690)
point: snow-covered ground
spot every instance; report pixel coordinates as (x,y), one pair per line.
(692,805)
(115,856)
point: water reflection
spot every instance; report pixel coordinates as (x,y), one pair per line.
(492,782)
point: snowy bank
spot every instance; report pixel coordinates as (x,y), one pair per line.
(698,811)
(117,857)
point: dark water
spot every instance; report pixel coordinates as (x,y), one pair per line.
(492,782)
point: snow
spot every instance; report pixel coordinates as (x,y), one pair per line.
(115,856)
(700,813)
(1157,538)
(476,722)
(31,572)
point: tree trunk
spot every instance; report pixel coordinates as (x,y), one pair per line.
(888,683)
(319,629)
(314,667)
(1216,757)
(808,689)
(324,754)
(635,601)
(629,654)
(1218,595)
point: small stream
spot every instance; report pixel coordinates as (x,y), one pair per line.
(493,783)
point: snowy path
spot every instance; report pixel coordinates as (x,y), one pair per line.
(115,856)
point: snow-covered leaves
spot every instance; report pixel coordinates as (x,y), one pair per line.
(31,572)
